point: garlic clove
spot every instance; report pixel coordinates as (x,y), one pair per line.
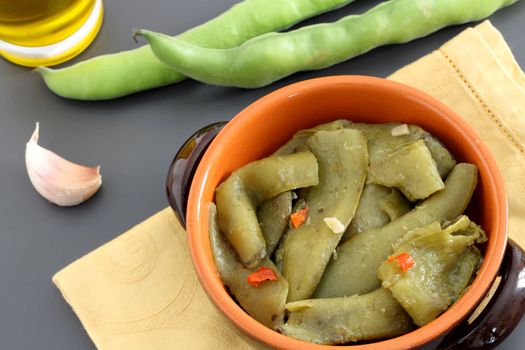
(58,180)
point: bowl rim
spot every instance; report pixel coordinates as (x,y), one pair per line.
(199,244)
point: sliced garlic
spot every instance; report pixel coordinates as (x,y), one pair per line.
(57,179)
(400,130)
(334,224)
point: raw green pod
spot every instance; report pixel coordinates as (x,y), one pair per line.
(123,73)
(273,56)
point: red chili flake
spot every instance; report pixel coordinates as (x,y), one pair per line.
(404,260)
(299,217)
(260,276)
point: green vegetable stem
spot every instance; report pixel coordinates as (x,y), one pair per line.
(109,76)
(270,57)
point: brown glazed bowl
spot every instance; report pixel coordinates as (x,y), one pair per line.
(268,123)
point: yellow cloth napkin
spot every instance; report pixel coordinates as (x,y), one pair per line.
(140,291)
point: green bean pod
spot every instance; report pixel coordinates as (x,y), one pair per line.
(462,274)
(270,57)
(298,141)
(264,303)
(296,144)
(382,142)
(427,288)
(110,76)
(273,216)
(395,205)
(239,196)
(370,316)
(354,270)
(342,156)
(411,169)
(444,159)
(375,207)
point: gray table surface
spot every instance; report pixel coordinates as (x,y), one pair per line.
(133,139)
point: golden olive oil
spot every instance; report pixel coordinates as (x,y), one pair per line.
(47,32)
(41,22)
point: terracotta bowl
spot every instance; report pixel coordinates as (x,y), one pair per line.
(268,123)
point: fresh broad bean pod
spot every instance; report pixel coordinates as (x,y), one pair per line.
(238,196)
(354,270)
(110,76)
(264,303)
(271,57)
(343,158)
(370,316)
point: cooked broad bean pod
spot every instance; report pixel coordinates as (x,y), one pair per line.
(443,158)
(278,256)
(411,169)
(354,270)
(395,205)
(273,216)
(296,144)
(238,196)
(343,158)
(370,316)
(110,76)
(464,272)
(369,213)
(266,302)
(298,141)
(378,206)
(400,267)
(383,140)
(270,57)
(424,286)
